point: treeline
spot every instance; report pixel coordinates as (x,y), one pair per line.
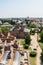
(7,20)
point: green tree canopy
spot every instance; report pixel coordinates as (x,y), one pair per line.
(33,54)
(26,21)
(41,35)
(27,39)
(25,46)
(4,29)
(42,57)
(33,26)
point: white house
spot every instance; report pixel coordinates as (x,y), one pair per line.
(7,25)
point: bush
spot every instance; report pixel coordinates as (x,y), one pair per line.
(25,46)
(32,53)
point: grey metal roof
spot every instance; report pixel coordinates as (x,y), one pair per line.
(19,21)
(26,30)
(11,28)
(6,24)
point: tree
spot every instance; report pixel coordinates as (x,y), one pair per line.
(26,21)
(41,35)
(11,22)
(33,26)
(4,29)
(41,29)
(27,39)
(42,57)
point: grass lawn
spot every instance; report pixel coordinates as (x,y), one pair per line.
(30,49)
(22,41)
(32,61)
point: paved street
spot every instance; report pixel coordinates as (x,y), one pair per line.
(36,45)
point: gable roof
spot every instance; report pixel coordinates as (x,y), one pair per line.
(6,24)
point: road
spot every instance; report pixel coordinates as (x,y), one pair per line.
(35,44)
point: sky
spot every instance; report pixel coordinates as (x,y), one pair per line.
(21,8)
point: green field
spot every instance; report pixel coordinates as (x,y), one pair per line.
(22,41)
(32,61)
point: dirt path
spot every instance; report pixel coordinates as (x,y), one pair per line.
(36,45)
